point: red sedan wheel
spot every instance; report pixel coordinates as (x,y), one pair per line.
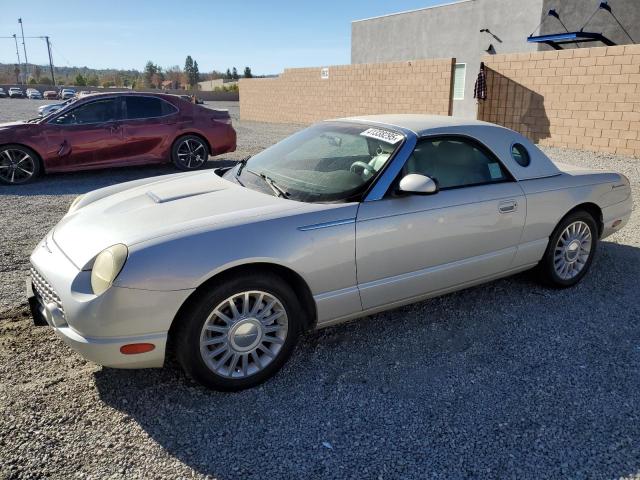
(18,164)
(190,153)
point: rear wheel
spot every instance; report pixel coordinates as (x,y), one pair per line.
(18,164)
(571,249)
(240,333)
(189,153)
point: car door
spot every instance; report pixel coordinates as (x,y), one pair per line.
(149,127)
(88,135)
(408,246)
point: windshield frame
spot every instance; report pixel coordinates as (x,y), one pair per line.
(359,193)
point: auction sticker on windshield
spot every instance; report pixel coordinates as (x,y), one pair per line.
(384,135)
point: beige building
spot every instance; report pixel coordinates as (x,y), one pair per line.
(218,83)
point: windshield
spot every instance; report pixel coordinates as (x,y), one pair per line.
(327,162)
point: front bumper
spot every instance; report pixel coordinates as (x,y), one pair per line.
(102,351)
(98,326)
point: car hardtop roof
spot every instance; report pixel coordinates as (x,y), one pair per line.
(498,139)
(417,123)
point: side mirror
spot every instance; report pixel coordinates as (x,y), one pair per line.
(417,184)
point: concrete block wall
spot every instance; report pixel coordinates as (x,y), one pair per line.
(583,98)
(301,96)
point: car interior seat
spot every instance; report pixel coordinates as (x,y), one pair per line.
(460,164)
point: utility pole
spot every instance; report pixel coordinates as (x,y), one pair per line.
(15,38)
(53,78)
(24,46)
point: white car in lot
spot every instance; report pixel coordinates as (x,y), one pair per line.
(33,94)
(67,93)
(15,92)
(343,219)
(45,110)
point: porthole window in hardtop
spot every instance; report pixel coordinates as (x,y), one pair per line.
(520,155)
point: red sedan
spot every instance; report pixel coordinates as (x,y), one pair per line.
(109,130)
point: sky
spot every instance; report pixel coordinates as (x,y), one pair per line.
(267,35)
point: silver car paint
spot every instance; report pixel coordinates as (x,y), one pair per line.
(355,259)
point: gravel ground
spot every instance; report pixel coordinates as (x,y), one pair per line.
(504,380)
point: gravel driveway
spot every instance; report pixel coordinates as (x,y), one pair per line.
(504,380)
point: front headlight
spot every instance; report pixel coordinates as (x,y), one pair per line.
(107,266)
(75,202)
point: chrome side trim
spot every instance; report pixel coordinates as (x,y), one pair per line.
(335,223)
(393,169)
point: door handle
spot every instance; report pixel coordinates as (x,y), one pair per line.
(508,206)
(65,149)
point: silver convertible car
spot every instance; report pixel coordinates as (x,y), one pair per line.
(346,218)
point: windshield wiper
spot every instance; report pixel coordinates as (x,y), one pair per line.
(277,189)
(240,166)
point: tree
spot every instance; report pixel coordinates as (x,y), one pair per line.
(228,74)
(16,70)
(176,75)
(80,81)
(45,81)
(93,80)
(247,72)
(37,73)
(234,74)
(195,75)
(188,69)
(150,70)
(191,71)
(32,81)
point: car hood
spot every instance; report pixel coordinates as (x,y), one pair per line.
(160,206)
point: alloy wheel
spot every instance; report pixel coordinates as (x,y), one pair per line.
(192,153)
(243,334)
(16,165)
(572,250)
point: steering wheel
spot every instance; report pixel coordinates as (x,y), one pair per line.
(366,168)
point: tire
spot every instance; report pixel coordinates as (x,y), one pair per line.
(189,152)
(18,164)
(232,355)
(571,250)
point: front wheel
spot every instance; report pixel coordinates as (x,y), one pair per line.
(189,153)
(571,249)
(18,164)
(240,333)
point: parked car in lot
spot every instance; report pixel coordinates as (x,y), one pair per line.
(15,92)
(109,130)
(33,94)
(45,110)
(50,95)
(3,94)
(67,93)
(190,98)
(343,219)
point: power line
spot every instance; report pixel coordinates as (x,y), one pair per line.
(60,54)
(11,36)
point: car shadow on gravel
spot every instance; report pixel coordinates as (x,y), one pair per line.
(507,379)
(76,183)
